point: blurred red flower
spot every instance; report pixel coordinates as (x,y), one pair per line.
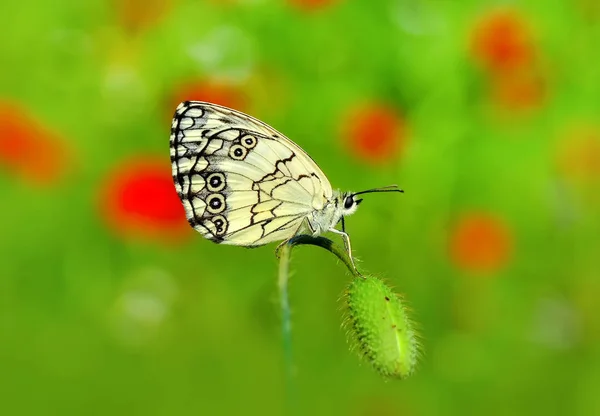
(375,132)
(28,149)
(501,41)
(480,242)
(213,92)
(578,155)
(138,198)
(312,4)
(503,45)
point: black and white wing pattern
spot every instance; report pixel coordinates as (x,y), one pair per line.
(241,182)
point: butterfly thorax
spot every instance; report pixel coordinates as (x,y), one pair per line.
(340,205)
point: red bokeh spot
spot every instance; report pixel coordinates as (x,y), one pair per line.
(139,199)
(376,133)
(28,149)
(212,92)
(480,242)
(578,156)
(501,41)
(312,4)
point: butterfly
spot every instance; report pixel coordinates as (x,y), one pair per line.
(243,183)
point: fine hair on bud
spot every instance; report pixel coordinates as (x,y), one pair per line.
(379,328)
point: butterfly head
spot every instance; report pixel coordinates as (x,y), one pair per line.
(350,202)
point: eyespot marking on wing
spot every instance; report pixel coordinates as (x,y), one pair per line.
(215,203)
(238,152)
(216,182)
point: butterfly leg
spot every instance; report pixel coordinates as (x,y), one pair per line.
(347,246)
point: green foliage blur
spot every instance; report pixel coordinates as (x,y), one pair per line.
(492,114)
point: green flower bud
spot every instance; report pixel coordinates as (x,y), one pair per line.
(379,327)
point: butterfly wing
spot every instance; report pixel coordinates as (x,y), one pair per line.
(240,181)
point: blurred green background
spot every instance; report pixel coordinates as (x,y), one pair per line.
(486,113)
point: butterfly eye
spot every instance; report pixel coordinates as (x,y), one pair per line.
(348,202)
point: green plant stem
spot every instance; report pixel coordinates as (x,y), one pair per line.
(284,252)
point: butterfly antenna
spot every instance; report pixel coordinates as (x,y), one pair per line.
(390,188)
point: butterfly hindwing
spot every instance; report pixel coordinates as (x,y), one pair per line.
(241,182)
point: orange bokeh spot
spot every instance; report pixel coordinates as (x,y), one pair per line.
(212,92)
(28,149)
(501,41)
(520,90)
(578,155)
(376,133)
(138,15)
(480,243)
(138,198)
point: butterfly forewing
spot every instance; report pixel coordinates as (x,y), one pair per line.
(240,181)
